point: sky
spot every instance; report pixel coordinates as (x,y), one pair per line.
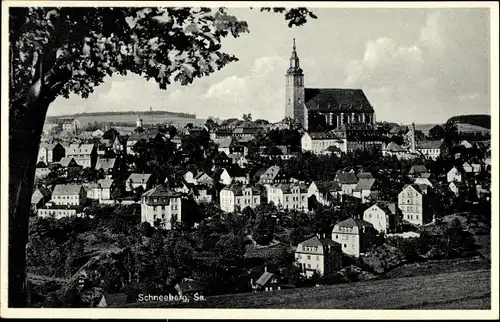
(414,65)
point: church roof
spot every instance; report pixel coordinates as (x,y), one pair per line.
(336,100)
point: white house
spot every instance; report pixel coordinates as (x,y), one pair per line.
(319,142)
(384,217)
(454,174)
(238,196)
(136,180)
(289,196)
(355,235)
(161,207)
(69,195)
(364,189)
(413,200)
(322,256)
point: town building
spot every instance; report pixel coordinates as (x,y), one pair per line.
(84,154)
(384,216)
(161,207)
(414,202)
(50,152)
(320,142)
(238,197)
(136,180)
(347,181)
(69,195)
(455,174)
(288,196)
(320,255)
(274,174)
(365,189)
(40,196)
(355,235)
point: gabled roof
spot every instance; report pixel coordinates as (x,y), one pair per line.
(429,145)
(350,222)
(139,177)
(287,187)
(67,161)
(336,99)
(327,186)
(85,149)
(365,175)
(66,189)
(106,183)
(419,168)
(270,173)
(394,147)
(364,184)
(264,278)
(316,242)
(346,178)
(390,208)
(105,163)
(238,188)
(224,142)
(161,191)
(323,135)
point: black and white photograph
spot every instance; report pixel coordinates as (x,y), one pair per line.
(325,158)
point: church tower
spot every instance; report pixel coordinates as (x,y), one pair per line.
(295,90)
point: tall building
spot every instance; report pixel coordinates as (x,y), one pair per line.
(295,90)
(322,109)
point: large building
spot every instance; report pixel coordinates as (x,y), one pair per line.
(161,206)
(320,109)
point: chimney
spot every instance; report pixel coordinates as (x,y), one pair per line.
(265,269)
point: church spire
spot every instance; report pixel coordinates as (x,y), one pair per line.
(294,60)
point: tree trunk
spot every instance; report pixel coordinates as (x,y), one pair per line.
(26,124)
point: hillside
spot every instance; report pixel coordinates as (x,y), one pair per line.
(419,292)
(135,113)
(482,120)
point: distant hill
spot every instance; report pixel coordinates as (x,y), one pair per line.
(482,120)
(134,113)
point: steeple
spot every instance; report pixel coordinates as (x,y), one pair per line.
(294,61)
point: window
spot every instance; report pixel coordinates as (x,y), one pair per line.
(308,265)
(317,258)
(308,256)
(345,245)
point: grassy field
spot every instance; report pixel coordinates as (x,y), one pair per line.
(457,290)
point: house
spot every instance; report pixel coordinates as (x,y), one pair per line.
(70,166)
(204,179)
(413,200)
(189,287)
(393,149)
(70,125)
(417,170)
(40,196)
(347,180)
(428,181)
(108,165)
(364,189)
(133,139)
(430,149)
(471,168)
(288,196)
(466,144)
(239,159)
(467,167)
(113,300)
(355,235)
(319,142)
(69,195)
(222,176)
(320,255)
(177,141)
(237,174)
(119,145)
(160,206)
(57,212)
(105,188)
(221,160)
(84,154)
(50,152)
(239,196)
(136,180)
(42,170)
(325,192)
(458,188)
(202,194)
(267,281)
(92,190)
(384,216)
(97,134)
(476,167)
(455,174)
(238,146)
(273,175)
(245,131)
(223,144)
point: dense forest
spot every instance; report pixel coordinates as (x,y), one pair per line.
(482,120)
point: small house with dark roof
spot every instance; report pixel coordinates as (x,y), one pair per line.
(355,235)
(318,254)
(268,281)
(325,192)
(273,174)
(108,165)
(347,180)
(40,196)
(113,300)
(364,189)
(222,160)
(455,174)
(417,170)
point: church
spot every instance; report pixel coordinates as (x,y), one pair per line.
(324,109)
